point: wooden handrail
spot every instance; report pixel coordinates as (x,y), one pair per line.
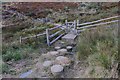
(56,38)
(48,36)
(56,33)
(55,28)
(33,36)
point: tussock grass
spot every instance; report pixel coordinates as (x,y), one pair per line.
(99,46)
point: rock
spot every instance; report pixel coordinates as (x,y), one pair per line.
(69,48)
(62,51)
(57,48)
(64,61)
(62,42)
(9,62)
(56,69)
(45,56)
(24,75)
(50,55)
(53,53)
(47,63)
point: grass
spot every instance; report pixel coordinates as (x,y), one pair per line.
(101,15)
(11,48)
(98,46)
(94,45)
(15,53)
(5,68)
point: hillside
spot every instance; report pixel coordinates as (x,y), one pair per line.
(40,9)
(92,54)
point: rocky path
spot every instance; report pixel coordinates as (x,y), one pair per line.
(59,62)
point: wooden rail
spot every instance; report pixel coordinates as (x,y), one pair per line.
(103,23)
(50,36)
(75,25)
(34,36)
(87,23)
(54,28)
(56,33)
(83,28)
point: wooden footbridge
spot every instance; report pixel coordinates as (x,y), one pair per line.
(70,30)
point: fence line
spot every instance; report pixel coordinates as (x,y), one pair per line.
(56,38)
(55,33)
(96,21)
(83,29)
(98,24)
(55,28)
(74,26)
(49,36)
(31,37)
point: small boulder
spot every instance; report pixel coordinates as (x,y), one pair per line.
(56,69)
(69,48)
(62,51)
(64,61)
(62,42)
(45,56)
(47,63)
(57,48)
(53,53)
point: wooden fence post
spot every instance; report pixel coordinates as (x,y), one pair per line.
(66,23)
(74,24)
(20,39)
(77,22)
(47,36)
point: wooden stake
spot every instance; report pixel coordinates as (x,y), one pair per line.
(20,39)
(47,36)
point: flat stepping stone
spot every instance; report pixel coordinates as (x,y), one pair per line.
(50,55)
(69,47)
(56,69)
(57,48)
(64,61)
(26,74)
(62,42)
(62,51)
(47,63)
(53,53)
(69,36)
(43,56)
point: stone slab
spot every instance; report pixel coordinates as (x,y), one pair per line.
(69,36)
